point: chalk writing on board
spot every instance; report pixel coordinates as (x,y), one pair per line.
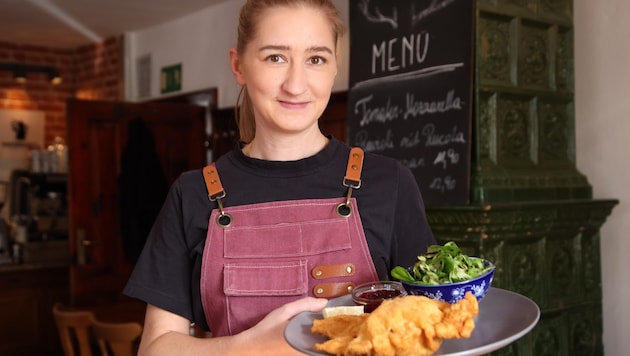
(397,53)
(413,107)
(427,134)
(411,89)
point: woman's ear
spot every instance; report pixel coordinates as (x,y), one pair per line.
(235,65)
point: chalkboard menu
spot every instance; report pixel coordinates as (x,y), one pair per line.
(410,89)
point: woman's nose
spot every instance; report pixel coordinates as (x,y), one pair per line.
(295,82)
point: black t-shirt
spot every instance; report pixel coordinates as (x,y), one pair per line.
(167,273)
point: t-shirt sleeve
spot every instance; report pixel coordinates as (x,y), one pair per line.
(412,233)
(162,274)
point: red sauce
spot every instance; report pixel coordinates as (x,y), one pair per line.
(373,298)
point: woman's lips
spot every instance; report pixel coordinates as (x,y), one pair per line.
(293,105)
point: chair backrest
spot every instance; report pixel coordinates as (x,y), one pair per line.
(117,339)
(74,330)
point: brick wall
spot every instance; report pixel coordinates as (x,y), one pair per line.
(99,70)
(91,72)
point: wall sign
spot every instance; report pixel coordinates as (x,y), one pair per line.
(171,79)
(410,89)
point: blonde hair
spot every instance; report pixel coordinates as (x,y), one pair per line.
(251,11)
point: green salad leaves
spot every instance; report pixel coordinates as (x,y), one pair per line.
(441,265)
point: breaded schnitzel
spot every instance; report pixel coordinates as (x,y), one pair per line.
(405,326)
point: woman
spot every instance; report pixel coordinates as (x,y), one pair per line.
(275,227)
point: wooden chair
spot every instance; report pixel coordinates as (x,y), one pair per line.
(74,330)
(117,339)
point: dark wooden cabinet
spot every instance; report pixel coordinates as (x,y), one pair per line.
(27,294)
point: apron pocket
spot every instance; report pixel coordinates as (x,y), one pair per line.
(248,287)
(287,239)
(271,278)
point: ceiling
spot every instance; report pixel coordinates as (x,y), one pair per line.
(72,23)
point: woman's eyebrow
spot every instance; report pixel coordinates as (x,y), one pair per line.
(313,49)
(320,49)
(274,48)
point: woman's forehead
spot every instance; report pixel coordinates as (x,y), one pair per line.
(294,26)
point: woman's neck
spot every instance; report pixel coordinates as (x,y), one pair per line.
(285,148)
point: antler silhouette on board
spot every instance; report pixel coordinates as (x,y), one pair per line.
(377,16)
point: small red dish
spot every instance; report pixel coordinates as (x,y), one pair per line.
(371,294)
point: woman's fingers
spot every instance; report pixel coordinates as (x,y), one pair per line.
(289,310)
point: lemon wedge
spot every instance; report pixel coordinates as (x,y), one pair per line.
(342,310)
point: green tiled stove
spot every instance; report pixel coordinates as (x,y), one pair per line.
(530,210)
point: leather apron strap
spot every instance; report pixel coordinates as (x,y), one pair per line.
(353,171)
(352,179)
(213,183)
(216,192)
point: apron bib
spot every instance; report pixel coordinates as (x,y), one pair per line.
(259,257)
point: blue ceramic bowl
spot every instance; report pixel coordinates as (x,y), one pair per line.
(452,292)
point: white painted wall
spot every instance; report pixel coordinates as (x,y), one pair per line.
(602,64)
(200,42)
(602,101)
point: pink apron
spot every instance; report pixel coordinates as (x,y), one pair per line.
(258,257)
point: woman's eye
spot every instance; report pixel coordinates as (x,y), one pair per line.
(274,58)
(317,60)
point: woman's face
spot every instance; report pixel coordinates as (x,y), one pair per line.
(288,68)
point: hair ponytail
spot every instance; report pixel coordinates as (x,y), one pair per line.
(244,116)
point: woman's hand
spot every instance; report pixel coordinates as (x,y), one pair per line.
(166,333)
(269,332)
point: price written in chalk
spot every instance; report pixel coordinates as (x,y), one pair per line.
(447,157)
(443,184)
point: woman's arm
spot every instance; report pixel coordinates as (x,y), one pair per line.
(166,333)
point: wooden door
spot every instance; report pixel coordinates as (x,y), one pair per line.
(98,134)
